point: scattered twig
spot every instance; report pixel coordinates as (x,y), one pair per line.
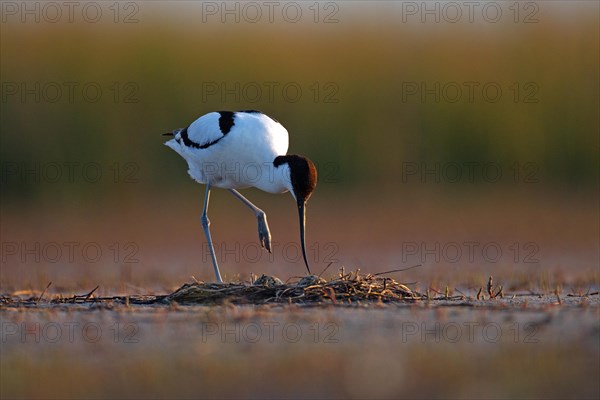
(326,268)
(331,295)
(436,291)
(490,287)
(43,292)
(90,293)
(396,270)
(500,292)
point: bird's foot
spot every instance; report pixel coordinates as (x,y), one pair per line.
(264,235)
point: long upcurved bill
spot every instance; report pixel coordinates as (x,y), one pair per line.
(302,216)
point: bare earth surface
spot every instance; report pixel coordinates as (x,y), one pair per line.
(519,346)
(540,340)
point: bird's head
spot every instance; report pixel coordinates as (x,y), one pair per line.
(303,176)
(302,182)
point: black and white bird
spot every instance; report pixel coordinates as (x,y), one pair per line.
(241,149)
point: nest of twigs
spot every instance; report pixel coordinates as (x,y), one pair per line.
(345,288)
(352,287)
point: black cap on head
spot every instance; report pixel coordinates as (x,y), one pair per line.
(303,175)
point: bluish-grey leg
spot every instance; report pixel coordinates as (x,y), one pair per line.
(205,226)
(264,235)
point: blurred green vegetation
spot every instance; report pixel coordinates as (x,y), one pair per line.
(355,117)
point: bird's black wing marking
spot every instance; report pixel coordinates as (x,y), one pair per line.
(190,143)
(226,121)
(186,140)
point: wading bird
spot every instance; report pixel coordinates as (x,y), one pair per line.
(241,149)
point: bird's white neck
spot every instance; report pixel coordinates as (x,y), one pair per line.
(276,179)
(282,178)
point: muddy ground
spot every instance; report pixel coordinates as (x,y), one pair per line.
(519,346)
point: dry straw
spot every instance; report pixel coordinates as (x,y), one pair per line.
(345,288)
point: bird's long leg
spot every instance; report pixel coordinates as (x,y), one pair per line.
(205,226)
(264,235)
